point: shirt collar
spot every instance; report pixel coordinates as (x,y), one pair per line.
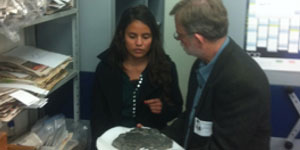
(205,70)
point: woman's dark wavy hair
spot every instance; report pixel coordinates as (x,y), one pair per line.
(159,63)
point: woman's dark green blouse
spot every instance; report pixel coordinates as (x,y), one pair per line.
(128,87)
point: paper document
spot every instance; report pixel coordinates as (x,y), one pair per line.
(25,87)
(41,103)
(25,97)
(39,56)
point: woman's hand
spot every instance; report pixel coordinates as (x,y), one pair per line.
(155,105)
(139,125)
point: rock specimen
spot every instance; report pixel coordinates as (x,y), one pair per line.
(142,139)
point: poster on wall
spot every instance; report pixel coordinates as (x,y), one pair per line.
(273,34)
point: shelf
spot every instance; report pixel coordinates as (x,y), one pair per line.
(30,36)
(54,16)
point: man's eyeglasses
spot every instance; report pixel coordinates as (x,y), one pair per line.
(180,36)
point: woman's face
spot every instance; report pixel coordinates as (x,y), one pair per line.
(138,38)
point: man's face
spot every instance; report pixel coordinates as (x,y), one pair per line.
(187,40)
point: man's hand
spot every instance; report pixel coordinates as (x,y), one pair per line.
(155,105)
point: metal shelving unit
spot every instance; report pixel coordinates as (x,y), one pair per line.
(54,16)
(31,37)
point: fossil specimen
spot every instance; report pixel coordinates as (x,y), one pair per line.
(142,139)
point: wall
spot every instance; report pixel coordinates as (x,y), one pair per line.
(96,28)
(173,48)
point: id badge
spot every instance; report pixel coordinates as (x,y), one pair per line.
(203,128)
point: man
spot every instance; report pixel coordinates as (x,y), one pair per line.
(228,100)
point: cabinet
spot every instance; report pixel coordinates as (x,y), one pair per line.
(64,41)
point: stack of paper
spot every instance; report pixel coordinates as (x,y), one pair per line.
(33,70)
(9,107)
(31,66)
(12,101)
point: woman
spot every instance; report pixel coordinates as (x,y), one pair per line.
(136,82)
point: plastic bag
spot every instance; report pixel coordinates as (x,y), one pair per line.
(51,130)
(58,133)
(15,14)
(81,135)
(46,132)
